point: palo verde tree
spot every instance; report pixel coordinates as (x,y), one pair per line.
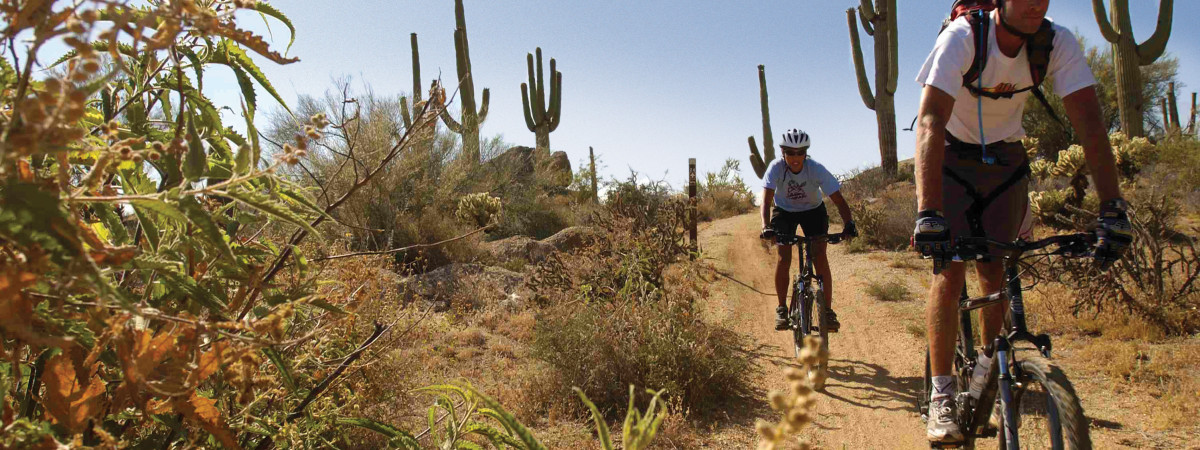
(757,161)
(879,20)
(471,119)
(1129,56)
(538,118)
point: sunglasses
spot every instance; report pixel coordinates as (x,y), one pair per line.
(795,152)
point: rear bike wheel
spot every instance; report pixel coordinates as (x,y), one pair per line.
(797,317)
(1046,408)
(821,309)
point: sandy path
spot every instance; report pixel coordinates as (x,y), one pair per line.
(875,366)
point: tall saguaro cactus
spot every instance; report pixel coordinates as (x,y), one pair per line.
(1191,129)
(878,21)
(1173,108)
(595,186)
(760,162)
(416,90)
(471,120)
(1129,55)
(541,120)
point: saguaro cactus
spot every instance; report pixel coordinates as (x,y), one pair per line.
(471,120)
(1173,108)
(878,21)
(540,120)
(595,186)
(760,162)
(416,80)
(1129,55)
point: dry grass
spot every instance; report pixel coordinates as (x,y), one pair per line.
(892,290)
(1165,372)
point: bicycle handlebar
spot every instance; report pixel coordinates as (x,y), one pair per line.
(791,239)
(1077,244)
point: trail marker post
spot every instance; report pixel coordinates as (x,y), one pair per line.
(692,207)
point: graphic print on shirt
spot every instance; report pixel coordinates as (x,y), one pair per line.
(796,191)
(1001,89)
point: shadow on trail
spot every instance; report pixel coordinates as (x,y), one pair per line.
(871,386)
(740,282)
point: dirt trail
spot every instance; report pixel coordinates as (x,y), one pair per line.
(876,364)
(877,358)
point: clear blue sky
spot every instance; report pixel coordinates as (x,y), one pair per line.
(649,84)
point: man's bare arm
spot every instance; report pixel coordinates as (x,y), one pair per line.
(936,107)
(1083,109)
(767,202)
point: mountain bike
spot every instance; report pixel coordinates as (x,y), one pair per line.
(808,295)
(1034,393)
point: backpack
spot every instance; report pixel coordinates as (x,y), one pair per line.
(1037,49)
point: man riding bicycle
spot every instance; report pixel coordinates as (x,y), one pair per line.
(792,188)
(964,188)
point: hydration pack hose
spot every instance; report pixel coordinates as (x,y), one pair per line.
(981,40)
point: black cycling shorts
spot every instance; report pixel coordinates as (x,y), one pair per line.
(813,222)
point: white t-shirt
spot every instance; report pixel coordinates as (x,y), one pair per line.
(952,56)
(795,192)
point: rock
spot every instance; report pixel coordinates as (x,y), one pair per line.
(518,247)
(572,238)
(476,283)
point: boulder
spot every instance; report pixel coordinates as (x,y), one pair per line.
(571,238)
(518,247)
(471,282)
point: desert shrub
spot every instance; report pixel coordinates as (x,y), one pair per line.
(605,347)
(479,209)
(625,305)
(883,206)
(1156,278)
(723,194)
(889,291)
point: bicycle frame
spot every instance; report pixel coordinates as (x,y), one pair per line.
(1015,330)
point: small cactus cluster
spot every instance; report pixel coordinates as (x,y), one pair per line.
(479,209)
(795,404)
(1051,207)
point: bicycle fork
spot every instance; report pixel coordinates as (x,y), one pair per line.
(1006,394)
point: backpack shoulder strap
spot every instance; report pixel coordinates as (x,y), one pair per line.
(980,26)
(1037,50)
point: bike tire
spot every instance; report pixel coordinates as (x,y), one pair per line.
(1046,394)
(821,309)
(796,315)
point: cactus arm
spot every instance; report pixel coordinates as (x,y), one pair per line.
(452,124)
(768,136)
(416,64)
(866,22)
(864,86)
(555,97)
(539,97)
(404,114)
(1106,28)
(756,161)
(867,9)
(893,26)
(529,122)
(1157,43)
(483,109)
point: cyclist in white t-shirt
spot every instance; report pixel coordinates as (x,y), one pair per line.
(955,172)
(792,196)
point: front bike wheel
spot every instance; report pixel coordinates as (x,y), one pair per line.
(797,317)
(821,309)
(1047,410)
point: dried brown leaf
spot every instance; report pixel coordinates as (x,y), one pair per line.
(69,401)
(204,411)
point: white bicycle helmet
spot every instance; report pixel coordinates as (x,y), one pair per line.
(794,138)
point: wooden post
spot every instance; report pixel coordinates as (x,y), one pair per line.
(692,207)
(1192,116)
(595,190)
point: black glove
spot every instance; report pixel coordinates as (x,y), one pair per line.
(767,233)
(931,238)
(849,230)
(1113,233)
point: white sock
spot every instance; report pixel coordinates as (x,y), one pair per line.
(943,386)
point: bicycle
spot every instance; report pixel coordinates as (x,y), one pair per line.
(1022,374)
(808,290)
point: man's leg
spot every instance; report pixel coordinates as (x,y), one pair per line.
(782,267)
(991,321)
(821,265)
(941,319)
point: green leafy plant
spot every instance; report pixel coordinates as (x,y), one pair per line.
(639,429)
